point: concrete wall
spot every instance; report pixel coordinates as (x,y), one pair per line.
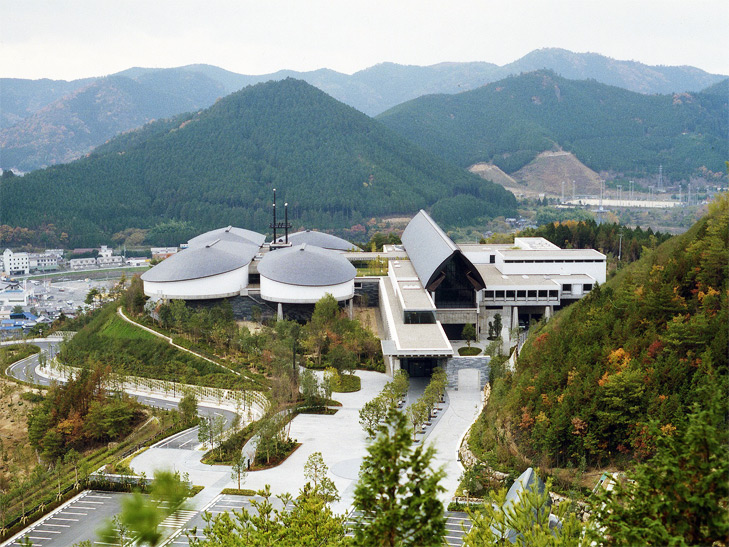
(456,316)
(454,364)
(367,289)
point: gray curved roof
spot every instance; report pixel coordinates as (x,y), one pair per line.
(204,260)
(320,239)
(306,265)
(230,233)
(429,248)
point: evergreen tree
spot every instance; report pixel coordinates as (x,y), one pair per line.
(397,492)
(680,496)
(524,522)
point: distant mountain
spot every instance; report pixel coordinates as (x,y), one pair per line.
(75,124)
(22,98)
(630,75)
(371,91)
(335,166)
(508,123)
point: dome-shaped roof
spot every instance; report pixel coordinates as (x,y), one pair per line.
(231,233)
(306,265)
(320,239)
(213,258)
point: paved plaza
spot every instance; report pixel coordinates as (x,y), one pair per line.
(339,437)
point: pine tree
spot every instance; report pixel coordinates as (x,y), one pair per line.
(680,496)
(397,493)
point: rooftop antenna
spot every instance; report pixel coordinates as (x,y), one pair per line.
(274,216)
(276,225)
(286,223)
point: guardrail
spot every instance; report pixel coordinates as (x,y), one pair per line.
(253,402)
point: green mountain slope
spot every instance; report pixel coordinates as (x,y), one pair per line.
(335,166)
(609,129)
(636,349)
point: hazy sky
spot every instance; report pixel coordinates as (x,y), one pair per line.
(67,39)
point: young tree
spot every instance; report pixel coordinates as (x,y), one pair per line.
(416,414)
(309,388)
(72,457)
(142,515)
(524,522)
(188,407)
(239,469)
(305,521)
(217,432)
(397,492)
(469,333)
(203,430)
(372,414)
(315,470)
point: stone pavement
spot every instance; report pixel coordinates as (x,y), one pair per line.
(338,437)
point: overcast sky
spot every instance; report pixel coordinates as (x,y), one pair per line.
(68,39)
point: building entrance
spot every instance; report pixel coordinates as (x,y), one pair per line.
(417,368)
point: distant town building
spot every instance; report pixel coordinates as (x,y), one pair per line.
(137,261)
(105,252)
(42,262)
(160,253)
(15,263)
(82,263)
(12,294)
(109,261)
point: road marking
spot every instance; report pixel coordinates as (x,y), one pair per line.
(68,520)
(58,525)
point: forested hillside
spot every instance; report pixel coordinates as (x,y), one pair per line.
(609,129)
(638,348)
(76,123)
(335,167)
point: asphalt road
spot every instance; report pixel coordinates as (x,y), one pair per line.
(26,370)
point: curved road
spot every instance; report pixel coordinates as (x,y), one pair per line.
(25,370)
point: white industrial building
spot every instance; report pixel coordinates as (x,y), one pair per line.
(15,263)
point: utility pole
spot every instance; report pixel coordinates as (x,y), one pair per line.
(660,178)
(620,247)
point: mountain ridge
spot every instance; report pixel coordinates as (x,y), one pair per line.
(609,129)
(336,167)
(372,90)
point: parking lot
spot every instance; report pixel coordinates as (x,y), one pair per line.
(55,296)
(77,521)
